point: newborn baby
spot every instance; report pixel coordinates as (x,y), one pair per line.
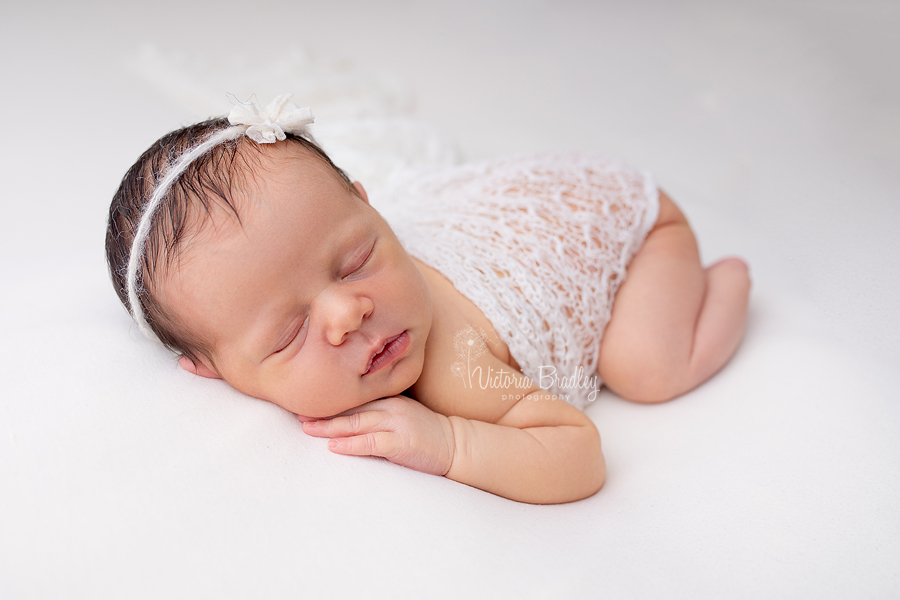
(244,249)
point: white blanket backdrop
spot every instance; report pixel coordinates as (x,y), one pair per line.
(776,127)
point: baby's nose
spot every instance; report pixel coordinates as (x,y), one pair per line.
(345,315)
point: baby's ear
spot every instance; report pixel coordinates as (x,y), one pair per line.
(197,369)
(361,191)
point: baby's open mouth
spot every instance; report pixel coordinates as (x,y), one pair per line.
(390,349)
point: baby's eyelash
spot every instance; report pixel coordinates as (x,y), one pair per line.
(295,336)
(364,261)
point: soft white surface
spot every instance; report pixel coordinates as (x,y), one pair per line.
(775,126)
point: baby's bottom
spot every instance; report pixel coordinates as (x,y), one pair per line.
(674,323)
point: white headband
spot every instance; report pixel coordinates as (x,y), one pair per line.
(247,118)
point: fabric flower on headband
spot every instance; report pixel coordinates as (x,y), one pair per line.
(266,126)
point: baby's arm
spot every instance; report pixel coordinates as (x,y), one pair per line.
(536,449)
(542,451)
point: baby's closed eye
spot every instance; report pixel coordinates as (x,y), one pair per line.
(360,260)
(293,334)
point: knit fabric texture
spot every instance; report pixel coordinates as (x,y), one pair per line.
(539,243)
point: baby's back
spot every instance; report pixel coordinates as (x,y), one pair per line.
(539,244)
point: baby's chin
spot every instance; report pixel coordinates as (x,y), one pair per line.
(307,412)
(311,413)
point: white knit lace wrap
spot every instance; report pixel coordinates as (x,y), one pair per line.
(264,126)
(539,243)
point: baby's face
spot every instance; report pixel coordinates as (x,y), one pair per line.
(299,300)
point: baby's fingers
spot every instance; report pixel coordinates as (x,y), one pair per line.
(380,443)
(345,426)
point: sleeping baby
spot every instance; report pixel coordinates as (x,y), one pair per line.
(458,332)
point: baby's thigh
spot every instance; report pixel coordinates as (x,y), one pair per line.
(650,331)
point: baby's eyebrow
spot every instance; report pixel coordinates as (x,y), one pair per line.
(353,235)
(260,336)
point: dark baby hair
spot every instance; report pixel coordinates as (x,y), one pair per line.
(207,182)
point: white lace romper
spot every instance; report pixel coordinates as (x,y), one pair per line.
(539,243)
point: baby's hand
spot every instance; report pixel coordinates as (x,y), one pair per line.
(398,429)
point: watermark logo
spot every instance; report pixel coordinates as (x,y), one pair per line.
(470,345)
(547,378)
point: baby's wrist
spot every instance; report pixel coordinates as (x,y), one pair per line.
(458,429)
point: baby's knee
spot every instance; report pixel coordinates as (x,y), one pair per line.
(642,378)
(649,390)
(669,212)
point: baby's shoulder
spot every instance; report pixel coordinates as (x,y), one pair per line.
(463,352)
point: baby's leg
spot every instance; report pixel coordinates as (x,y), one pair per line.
(674,323)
